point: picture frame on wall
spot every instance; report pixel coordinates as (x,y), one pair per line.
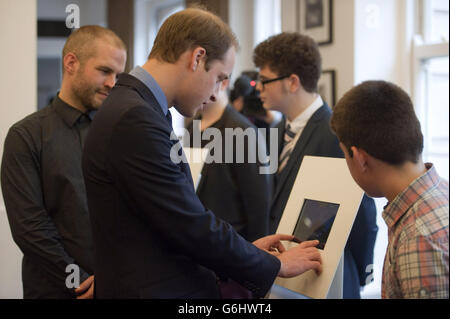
(327,87)
(315,19)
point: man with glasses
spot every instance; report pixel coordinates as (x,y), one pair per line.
(290,68)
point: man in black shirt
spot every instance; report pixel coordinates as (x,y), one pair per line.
(41,175)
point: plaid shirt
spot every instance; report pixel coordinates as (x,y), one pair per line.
(416,261)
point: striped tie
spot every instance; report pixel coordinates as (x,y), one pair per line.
(287,148)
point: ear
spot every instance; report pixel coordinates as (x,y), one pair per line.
(294,83)
(71,63)
(361,158)
(197,56)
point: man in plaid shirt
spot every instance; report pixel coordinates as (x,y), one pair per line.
(381,138)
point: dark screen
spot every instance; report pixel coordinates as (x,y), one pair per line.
(315,221)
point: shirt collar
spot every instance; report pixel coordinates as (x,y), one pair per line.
(300,121)
(146,78)
(68,113)
(394,210)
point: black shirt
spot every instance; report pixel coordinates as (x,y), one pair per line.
(45,198)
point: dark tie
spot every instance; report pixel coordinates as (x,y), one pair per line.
(289,138)
(169,117)
(83,128)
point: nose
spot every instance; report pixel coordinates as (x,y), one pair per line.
(213,97)
(259,86)
(110,81)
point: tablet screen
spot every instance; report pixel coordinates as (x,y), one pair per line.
(315,221)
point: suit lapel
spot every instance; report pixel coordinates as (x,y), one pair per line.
(298,152)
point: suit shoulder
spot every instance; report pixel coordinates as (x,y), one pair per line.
(124,102)
(234,119)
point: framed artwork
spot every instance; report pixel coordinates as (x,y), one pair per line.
(327,87)
(315,19)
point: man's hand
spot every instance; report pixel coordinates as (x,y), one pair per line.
(300,259)
(294,261)
(272,243)
(86,289)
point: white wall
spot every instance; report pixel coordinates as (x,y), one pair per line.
(18,92)
(375,54)
(242,23)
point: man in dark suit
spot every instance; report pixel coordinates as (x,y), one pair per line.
(290,67)
(152,236)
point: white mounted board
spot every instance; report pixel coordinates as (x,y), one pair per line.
(196,158)
(322,205)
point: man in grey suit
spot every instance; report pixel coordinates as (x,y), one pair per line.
(290,68)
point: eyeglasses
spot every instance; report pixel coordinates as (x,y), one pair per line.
(264,82)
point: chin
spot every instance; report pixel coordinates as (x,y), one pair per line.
(375,194)
(97,103)
(95,106)
(187,112)
(267,107)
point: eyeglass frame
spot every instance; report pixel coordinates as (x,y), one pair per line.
(272,80)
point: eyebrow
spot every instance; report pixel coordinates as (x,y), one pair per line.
(104,68)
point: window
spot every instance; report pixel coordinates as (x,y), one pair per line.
(434,22)
(431,81)
(267,19)
(434,121)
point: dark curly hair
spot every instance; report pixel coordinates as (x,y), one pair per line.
(379,117)
(291,53)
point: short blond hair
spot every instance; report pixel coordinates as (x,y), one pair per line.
(82,42)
